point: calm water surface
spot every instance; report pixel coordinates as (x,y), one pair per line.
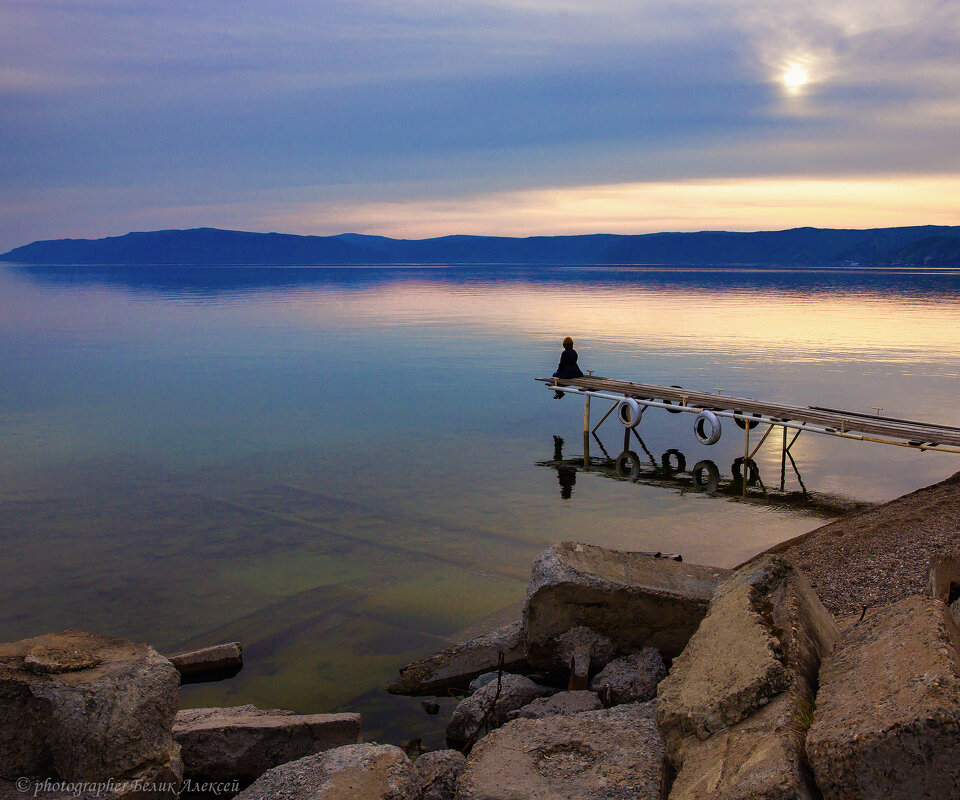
(347,469)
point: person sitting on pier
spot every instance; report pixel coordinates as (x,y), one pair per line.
(568,365)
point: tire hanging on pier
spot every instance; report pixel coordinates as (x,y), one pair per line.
(743,424)
(628,412)
(706,427)
(671,402)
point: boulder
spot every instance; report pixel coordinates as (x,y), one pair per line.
(434,776)
(243,742)
(751,760)
(84,707)
(766,632)
(516,691)
(611,754)
(352,772)
(887,719)
(635,600)
(482,680)
(578,651)
(456,666)
(563,703)
(631,679)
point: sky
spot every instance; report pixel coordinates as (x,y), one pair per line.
(504,117)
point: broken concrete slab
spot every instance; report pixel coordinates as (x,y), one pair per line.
(242,742)
(209,663)
(756,758)
(766,632)
(887,719)
(471,713)
(636,600)
(598,755)
(456,666)
(630,679)
(562,703)
(84,707)
(352,772)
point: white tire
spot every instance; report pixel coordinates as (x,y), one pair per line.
(706,427)
(628,412)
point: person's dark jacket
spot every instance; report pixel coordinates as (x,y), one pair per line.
(568,365)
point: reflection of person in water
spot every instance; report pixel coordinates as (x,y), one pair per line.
(566,475)
(568,365)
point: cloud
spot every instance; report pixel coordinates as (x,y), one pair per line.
(194,105)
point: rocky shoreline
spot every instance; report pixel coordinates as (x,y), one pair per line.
(828,667)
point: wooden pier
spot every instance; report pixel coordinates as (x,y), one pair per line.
(631,399)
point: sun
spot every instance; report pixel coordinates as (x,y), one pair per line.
(795,77)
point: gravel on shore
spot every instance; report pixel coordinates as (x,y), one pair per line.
(881,555)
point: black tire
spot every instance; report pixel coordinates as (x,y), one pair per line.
(628,465)
(671,402)
(743,423)
(706,476)
(753,471)
(666,463)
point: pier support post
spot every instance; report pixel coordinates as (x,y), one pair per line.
(586,432)
(783,460)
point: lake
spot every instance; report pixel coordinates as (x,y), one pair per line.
(347,469)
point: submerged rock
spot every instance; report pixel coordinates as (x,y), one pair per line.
(516,691)
(242,742)
(84,707)
(631,679)
(887,719)
(612,754)
(352,772)
(455,667)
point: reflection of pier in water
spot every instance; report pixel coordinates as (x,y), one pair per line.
(636,464)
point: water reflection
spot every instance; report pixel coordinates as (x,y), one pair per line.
(336,467)
(669,471)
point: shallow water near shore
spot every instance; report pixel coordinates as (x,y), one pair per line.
(347,469)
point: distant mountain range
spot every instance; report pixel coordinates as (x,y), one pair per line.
(920,246)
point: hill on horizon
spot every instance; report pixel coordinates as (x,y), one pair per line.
(917,246)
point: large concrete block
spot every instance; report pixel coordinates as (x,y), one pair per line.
(456,666)
(756,759)
(240,743)
(887,719)
(766,632)
(598,755)
(85,707)
(636,600)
